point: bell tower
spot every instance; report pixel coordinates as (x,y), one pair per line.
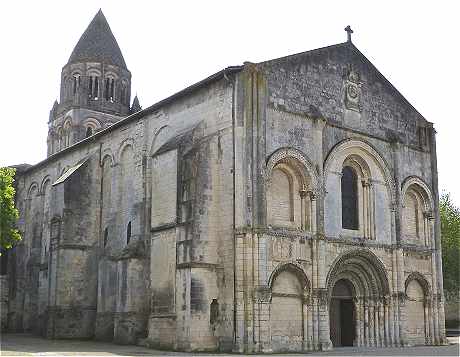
(95,88)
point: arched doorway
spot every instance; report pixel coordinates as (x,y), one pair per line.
(286,313)
(342,314)
(417,312)
(359,314)
(288,310)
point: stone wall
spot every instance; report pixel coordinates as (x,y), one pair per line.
(3,301)
(174,230)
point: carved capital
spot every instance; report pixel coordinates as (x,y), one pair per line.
(321,295)
(262,294)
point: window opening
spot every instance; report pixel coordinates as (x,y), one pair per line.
(89,131)
(128,233)
(106,236)
(349,186)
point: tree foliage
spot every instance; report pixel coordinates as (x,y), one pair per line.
(8,213)
(450,241)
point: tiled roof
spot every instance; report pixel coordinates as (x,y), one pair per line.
(98,44)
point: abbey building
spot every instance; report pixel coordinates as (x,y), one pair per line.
(287,205)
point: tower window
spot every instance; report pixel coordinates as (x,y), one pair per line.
(89,132)
(123,93)
(128,233)
(106,236)
(94,87)
(109,89)
(349,186)
(107,84)
(76,83)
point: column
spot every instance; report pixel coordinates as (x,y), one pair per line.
(371,210)
(324,332)
(387,322)
(303,211)
(371,323)
(306,331)
(313,212)
(366,322)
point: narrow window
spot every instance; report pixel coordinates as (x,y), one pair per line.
(90,86)
(128,233)
(89,131)
(349,185)
(106,236)
(96,87)
(112,87)
(106,92)
(214,312)
(123,94)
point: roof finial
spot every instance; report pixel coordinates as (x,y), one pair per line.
(349,32)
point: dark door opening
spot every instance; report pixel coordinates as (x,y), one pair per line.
(342,315)
(347,325)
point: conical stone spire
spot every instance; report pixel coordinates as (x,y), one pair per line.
(97,44)
(136,105)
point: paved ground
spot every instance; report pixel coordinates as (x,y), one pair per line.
(27,345)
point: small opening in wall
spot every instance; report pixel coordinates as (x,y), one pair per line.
(106,236)
(89,131)
(214,312)
(128,233)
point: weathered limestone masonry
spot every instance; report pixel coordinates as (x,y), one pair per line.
(289,205)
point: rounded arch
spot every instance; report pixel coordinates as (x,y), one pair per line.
(46,181)
(358,164)
(107,155)
(419,186)
(420,278)
(129,142)
(334,160)
(67,123)
(294,268)
(93,72)
(159,138)
(92,122)
(111,75)
(298,161)
(365,266)
(63,170)
(33,190)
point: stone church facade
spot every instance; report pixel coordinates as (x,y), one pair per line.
(288,205)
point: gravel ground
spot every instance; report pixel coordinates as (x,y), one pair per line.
(28,345)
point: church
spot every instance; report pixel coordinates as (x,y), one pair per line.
(283,206)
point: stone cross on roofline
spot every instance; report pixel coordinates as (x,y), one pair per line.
(349,32)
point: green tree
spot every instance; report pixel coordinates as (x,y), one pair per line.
(450,241)
(8,213)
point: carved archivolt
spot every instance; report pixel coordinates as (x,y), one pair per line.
(365,147)
(301,163)
(294,268)
(421,187)
(420,278)
(125,143)
(363,269)
(107,155)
